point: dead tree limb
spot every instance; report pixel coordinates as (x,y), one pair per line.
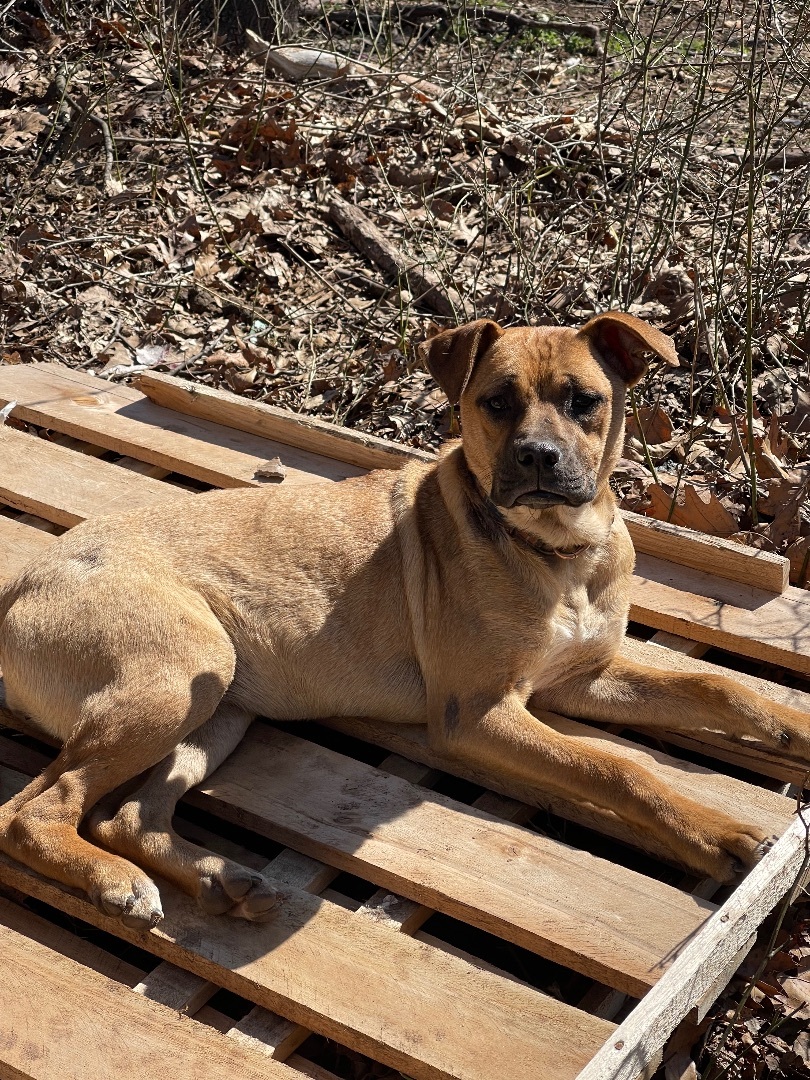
(364,235)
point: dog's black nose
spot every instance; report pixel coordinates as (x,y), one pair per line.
(542,455)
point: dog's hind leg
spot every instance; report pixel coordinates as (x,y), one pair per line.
(141,828)
(117,736)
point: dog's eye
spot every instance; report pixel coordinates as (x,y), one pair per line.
(583,403)
(497,404)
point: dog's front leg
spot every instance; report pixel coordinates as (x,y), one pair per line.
(509,740)
(630,693)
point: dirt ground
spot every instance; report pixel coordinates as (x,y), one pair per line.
(167,201)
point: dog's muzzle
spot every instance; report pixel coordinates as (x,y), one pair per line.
(541,474)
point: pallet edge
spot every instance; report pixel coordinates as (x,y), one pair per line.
(694,974)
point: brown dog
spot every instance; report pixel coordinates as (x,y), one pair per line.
(451,594)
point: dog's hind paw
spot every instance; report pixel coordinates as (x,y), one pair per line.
(136,903)
(237,891)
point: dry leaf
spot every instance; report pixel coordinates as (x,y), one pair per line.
(773,495)
(799,419)
(699,510)
(795,995)
(654,424)
(801,1047)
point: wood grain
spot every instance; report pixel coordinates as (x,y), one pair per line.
(413,1007)
(711,554)
(65,487)
(292,429)
(693,975)
(61,1019)
(591,915)
(731,615)
(84,952)
(278,1037)
(119,418)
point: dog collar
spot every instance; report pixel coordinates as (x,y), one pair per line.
(542,549)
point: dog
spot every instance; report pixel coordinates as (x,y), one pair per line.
(475,594)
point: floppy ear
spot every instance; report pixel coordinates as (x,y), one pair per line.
(451,355)
(623,342)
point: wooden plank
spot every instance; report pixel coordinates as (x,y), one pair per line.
(301,1064)
(278,1037)
(415,1008)
(602,920)
(175,988)
(168,983)
(61,1019)
(48,934)
(19,543)
(711,554)
(679,644)
(744,754)
(63,486)
(693,975)
(733,616)
(310,1069)
(712,789)
(186,992)
(272,1034)
(118,417)
(292,429)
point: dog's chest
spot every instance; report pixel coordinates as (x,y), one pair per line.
(576,634)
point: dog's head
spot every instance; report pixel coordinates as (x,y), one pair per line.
(542,408)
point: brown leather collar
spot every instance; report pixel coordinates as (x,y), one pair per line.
(487,507)
(542,549)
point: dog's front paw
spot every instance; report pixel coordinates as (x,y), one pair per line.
(733,849)
(794,740)
(233,889)
(135,901)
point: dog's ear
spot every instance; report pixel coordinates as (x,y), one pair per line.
(451,355)
(624,341)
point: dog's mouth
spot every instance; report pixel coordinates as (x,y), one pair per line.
(540,499)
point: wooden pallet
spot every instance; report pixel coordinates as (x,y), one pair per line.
(445,927)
